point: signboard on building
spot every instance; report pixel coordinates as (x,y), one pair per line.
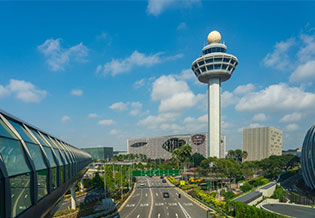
(155,172)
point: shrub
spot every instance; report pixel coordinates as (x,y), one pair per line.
(246,187)
(187,187)
(227,195)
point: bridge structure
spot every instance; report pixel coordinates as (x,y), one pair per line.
(36,169)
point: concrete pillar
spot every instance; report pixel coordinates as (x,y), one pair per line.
(73,206)
(81,185)
(214,117)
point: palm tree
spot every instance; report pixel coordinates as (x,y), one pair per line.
(183,155)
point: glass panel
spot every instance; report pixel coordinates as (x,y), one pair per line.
(50,156)
(62,175)
(5,131)
(210,67)
(201,63)
(224,66)
(217,66)
(37,156)
(22,132)
(209,60)
(54,177)
(20,193)
(232,61)
(58,156)
(13,156)
(38,137)
(203,69)
(217,59)
(42,183)
(226,60)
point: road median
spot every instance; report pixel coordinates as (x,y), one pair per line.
(131,194)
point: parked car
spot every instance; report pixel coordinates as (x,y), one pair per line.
(166,195)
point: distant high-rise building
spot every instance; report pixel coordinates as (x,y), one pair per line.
(262,142)
(100,153)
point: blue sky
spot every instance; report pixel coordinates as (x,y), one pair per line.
(98,73)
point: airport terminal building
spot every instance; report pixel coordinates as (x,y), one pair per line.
(162,146)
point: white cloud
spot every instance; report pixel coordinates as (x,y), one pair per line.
(254,125)
(174,95)
(139,83)
(114,132)
(277,98)
(93,115)
(187,75)
(119,106)
(153,121)
(4,92)
(136,59)
(244,89)
(106,122)
(304,72)
(228,98)
(181,26)
(292,127)
(260,117)
(58,57)
(136,108)
(307,51)
(279,58)
(294,117)
(156,7)
(76,92)
(23,90)
(65,119)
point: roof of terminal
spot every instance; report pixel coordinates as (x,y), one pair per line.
(251,196)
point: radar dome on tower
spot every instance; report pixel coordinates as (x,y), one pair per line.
(214,37)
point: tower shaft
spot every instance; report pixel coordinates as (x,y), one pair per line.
(214,117)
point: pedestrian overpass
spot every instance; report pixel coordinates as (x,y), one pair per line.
(36,169)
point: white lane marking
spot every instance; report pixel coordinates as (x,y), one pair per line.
(158,215)
(138,216)
(168,213)
(188,204)
(144,205)
(159,204)
(146,194)
(176,215)
(172,204)
(151,194)
(156,194)
(130,205)
(184,211)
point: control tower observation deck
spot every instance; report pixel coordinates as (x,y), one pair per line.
(213,67)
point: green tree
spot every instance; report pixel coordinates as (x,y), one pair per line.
(197,158)
(183,155)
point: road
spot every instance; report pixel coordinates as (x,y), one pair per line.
(91,195)
(148,202)
(291,210)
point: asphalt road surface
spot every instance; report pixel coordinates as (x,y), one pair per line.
(148,202)
(292,210)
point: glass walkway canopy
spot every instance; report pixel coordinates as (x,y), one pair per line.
(36,169)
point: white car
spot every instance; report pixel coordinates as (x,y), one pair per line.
(142,184)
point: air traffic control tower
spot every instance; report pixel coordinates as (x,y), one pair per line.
(213,67)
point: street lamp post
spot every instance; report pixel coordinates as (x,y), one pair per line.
(121,186)
(105,181)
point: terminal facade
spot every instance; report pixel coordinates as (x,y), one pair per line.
(162,146)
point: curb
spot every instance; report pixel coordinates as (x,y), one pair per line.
(204,207)
(133,191)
